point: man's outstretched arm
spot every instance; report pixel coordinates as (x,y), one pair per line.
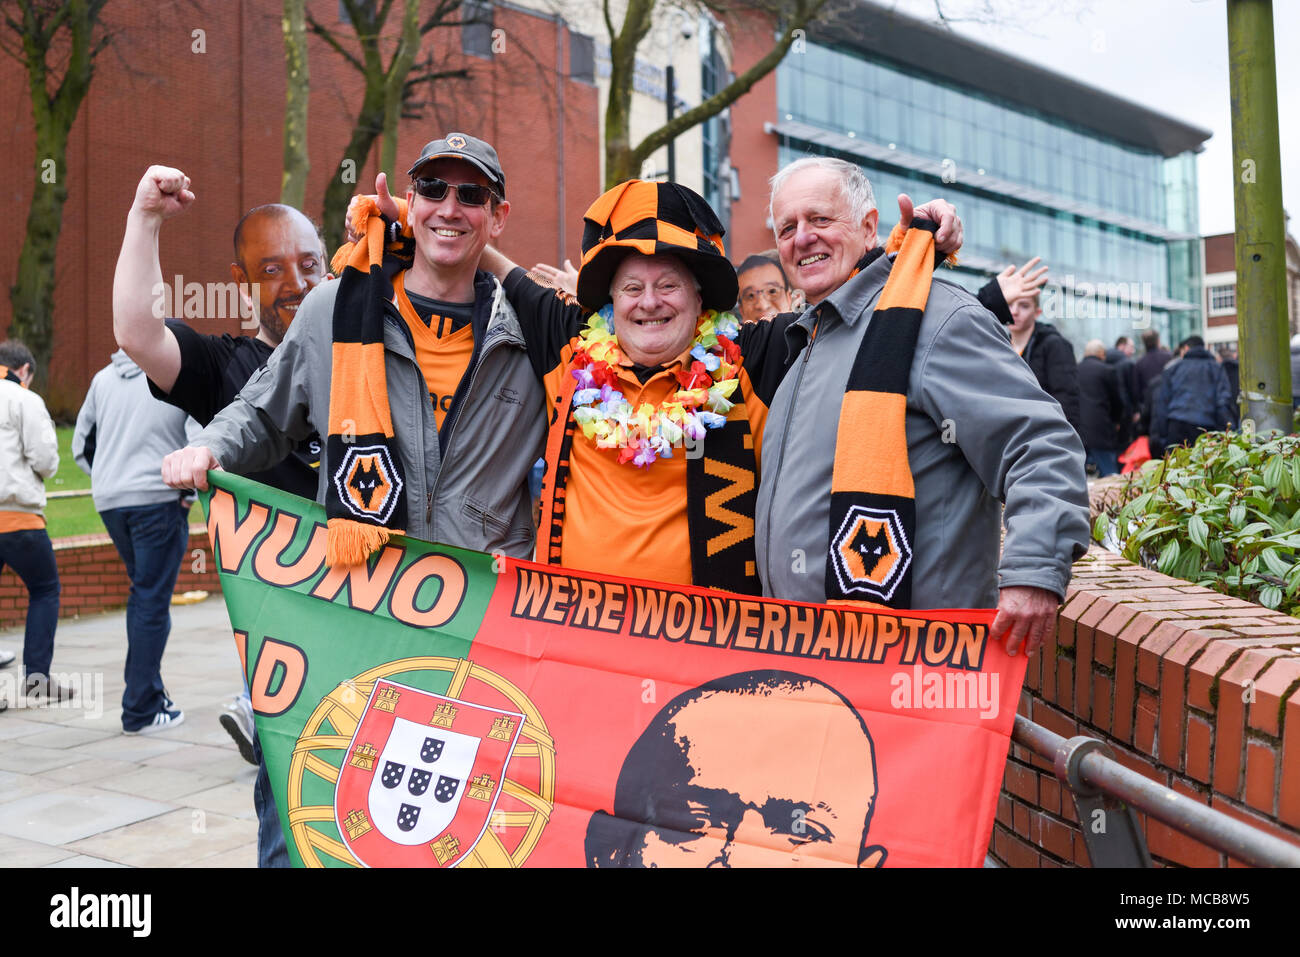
(138,325)
(1018,442)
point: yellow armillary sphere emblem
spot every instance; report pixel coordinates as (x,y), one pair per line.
(527,791)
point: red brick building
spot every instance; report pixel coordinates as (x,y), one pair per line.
(1219,300)
(218,115)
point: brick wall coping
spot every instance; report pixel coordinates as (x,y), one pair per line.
(102,538)
(1196,690)
(94,580)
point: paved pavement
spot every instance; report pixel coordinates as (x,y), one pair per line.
(76,792)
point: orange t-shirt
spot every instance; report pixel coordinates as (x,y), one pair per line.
(632,521)
(443,354)
(20,522)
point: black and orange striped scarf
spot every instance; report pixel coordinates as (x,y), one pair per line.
(365,500)
(873,503)
(7,373)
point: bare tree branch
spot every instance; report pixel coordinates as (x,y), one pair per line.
(622,159)
(325,34)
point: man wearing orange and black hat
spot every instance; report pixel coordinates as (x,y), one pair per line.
(638,375)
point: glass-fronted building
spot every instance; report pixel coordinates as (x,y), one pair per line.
(1102,189)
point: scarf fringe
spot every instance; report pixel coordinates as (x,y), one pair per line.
(349,543)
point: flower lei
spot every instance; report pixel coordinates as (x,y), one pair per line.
(649,432)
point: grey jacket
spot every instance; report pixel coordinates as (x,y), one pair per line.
(123,433)
(980,430)
(473,494)
(29,449)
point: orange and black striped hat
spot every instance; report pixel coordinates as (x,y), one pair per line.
(654,219)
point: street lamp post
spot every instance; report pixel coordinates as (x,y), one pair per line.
(1260,231)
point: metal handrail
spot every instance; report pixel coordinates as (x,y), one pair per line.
(1100,784)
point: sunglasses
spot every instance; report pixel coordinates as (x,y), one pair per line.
(469,194)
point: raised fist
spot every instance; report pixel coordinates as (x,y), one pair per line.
(163,192)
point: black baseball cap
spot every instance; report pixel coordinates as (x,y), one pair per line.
(471,149)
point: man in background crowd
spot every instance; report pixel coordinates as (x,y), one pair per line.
(1153,361)
(764,288)
(122,434)
(29,454)
(1013,297)
(1101,409)
(1192,396)
(1121,360)
(1048,354)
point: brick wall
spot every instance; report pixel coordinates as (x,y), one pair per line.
(218,115)
(1195,690)
(94,579)
(753,149)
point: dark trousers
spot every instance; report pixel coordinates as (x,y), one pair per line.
(272,851)
(1106,460)
(151,541)
(31,556)
(1178,432)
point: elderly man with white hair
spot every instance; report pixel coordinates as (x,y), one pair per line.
(905,424)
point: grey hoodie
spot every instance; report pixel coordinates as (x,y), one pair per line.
(123,433)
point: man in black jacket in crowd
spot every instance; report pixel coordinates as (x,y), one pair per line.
(1102,409)
(1193,396)
(1121,360)
(1150,365)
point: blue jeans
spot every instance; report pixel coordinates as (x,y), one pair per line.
(151,541)
(31,556)
(1106,460)
(271,848)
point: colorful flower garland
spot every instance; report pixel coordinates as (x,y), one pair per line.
(650,432)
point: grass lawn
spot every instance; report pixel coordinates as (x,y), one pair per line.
(77,516)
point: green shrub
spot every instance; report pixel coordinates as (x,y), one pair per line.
(1224,513)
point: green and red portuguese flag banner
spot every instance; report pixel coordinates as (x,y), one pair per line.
(444,708)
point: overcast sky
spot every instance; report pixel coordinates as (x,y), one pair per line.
(1170,55)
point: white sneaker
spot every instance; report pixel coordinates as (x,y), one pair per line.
(238,722)
(6,658)
(161,722)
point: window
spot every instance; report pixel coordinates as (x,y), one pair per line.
(582,57)
(1223,298)
(891,83)
(855,76)
(476,28)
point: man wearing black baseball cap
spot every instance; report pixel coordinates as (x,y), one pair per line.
(436,441)
(461,146)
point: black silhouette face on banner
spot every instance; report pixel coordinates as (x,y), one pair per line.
(754,769)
